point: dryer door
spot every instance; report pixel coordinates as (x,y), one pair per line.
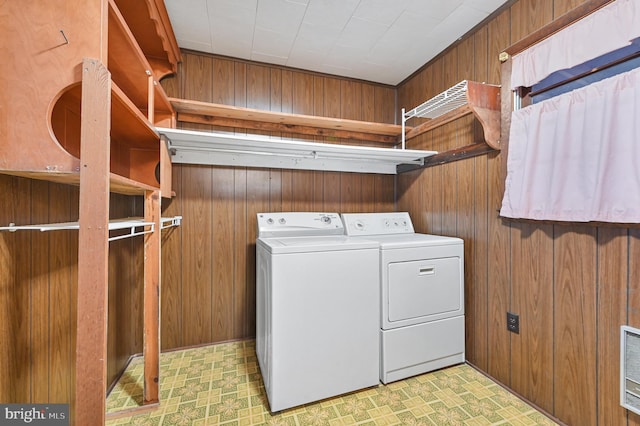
(424,288)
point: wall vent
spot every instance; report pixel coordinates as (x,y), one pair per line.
(630,368)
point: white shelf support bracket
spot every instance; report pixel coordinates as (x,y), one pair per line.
(404,121)
(135,230)
(168,222)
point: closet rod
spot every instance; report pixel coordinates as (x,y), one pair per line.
(586,73)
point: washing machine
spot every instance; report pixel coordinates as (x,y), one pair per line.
(422,294)
(317,308)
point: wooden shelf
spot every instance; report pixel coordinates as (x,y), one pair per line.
(131,71)
(117,184)
(128,123)
(151,27)
(129,68)
(139,100)
(135,145)
(229,116)
(52,152)
(122,185)
(87,118)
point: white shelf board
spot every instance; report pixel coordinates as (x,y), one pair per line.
(452,98)
(447,101)
(225,149)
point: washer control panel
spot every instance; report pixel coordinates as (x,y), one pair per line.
(292,224)
(377,223)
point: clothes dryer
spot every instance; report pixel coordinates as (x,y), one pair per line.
(317,307)
(422,294)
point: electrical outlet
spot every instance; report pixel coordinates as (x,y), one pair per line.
(513,323)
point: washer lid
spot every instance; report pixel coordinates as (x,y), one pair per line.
(281,245)
(388,242)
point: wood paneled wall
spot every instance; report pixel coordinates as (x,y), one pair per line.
(38,292)
(208,263)
(573,285)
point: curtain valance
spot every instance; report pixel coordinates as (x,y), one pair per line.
(605,30)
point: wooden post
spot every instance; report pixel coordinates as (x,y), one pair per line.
(484,101)
(151,349)
(93,245)
(165,168)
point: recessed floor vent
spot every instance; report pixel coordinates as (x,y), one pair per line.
(630,368)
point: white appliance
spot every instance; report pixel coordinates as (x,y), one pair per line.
(317,308)
(422,294)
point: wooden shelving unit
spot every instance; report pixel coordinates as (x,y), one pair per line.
(133,73)
(52,151)
(85,101)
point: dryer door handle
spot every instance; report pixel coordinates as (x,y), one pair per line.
(427,270)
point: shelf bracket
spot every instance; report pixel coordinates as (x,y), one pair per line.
(168,222)
(135,231)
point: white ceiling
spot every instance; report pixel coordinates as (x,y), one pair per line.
(382,41)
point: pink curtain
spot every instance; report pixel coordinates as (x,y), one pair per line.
(576,157)
(603,31)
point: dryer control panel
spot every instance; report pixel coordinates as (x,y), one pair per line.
(298,224)
(361,224)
